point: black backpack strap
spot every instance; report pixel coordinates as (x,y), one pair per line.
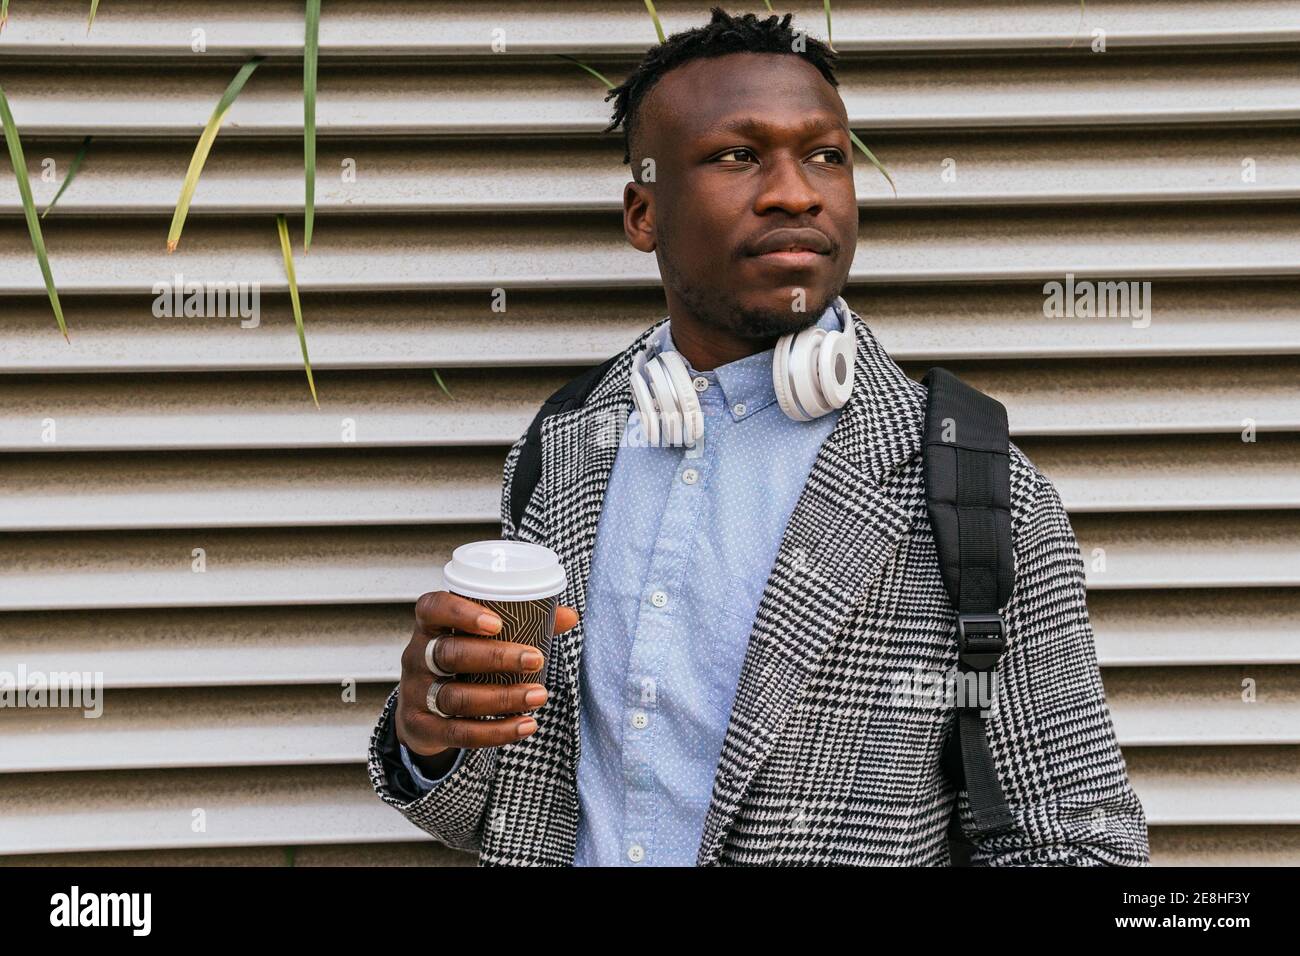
(528,468)
(968,494)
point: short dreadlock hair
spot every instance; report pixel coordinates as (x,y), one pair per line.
(721,35)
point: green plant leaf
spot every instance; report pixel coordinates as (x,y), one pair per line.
(875,162)
(1080,26)
(94,8)
(597,75)
(768,4)
(659,27)
(72,171)
(4,13)
(440,385)
(203,148)
(310,57)
(829,41)
(287,251)
(29,208)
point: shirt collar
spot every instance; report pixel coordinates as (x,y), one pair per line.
(746,382)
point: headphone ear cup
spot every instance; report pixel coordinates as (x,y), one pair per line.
(644,402)
(803,373)
(812,370)
(835,367)
(689,423)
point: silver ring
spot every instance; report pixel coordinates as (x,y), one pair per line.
(428,657)
(431,697)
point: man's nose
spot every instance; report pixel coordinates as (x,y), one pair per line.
(786,186)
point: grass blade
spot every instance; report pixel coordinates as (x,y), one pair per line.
(203,148)
(875,162)
(29,208)
(659,27)
(830,42)
(287,251)
(768,4)
(4,13)
(310,57)
(440,385)
(94,8)
(72,171)
(599,76)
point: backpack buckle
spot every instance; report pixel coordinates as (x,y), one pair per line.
(981,639)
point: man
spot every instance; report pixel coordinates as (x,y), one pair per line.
(739,612)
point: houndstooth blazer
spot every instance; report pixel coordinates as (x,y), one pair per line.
(823,762)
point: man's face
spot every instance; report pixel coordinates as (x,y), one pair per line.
(751,154)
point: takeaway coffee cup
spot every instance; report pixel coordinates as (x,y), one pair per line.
(519,583)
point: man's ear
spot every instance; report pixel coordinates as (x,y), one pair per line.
(639,217)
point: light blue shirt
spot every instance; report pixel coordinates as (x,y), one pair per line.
(685,543)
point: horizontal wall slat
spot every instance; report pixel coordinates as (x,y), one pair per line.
(490,96)
(482,254)
(408,28)
(307,489)
(78,492)
(380,565)
(1225,846)
(278,806)
(1196,627)
(934,324)
(1182,786)
(1003,167)
(281,726)
(248,411)
(1204,706)
(257,646)
(151,730)
(130,810)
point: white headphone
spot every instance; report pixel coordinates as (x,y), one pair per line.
(812,374)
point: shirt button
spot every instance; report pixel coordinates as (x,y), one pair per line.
(700,383)
(738,408)
(636,853)
(659,599)
(690,476)
(640,719)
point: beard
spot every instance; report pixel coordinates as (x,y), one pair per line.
(715,308)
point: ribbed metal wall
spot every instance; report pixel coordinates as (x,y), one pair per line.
(478,170)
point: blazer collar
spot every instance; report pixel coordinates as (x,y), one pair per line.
(848,521)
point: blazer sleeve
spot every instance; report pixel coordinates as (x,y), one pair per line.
(452,812)
(1050,731)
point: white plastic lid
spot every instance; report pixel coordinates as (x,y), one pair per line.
(504,571)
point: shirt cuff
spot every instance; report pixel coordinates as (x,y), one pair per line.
(421,781)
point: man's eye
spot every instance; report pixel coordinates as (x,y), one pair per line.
(733,152)
(836,155)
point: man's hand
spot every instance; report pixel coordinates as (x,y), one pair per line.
(432,740)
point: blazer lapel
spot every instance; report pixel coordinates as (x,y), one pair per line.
(846,525)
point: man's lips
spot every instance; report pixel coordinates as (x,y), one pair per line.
(792,248)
